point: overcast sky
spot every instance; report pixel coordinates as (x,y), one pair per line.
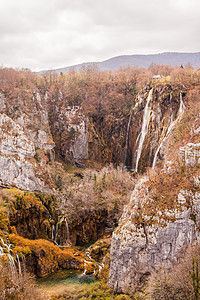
(46,34)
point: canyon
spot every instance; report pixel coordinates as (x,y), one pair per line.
(103,159)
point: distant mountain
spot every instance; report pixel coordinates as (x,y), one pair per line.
(123,61)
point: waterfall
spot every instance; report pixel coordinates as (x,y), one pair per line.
(144,130)
(61,235)
(164,139)
(15,265)
(127,138)
(87,253)
(128,127)
(182,106)
(86,261)
(172,124)
(85,268)
(13,268)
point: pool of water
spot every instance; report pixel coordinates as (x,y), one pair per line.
(63,281)
(65,277)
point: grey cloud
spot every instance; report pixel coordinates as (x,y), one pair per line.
(42,34)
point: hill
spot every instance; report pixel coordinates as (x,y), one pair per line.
(123,61)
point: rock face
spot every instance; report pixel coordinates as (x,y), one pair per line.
(78,126)
(152,119)
(17,161)
(156,226)
(69,127)
(190,154)
(31,131)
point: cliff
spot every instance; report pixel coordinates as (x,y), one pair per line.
(161,220)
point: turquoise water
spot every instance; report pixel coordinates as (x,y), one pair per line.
(64,278)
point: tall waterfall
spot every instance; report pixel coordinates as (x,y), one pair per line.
(144,130)
(140,99)
(172,124)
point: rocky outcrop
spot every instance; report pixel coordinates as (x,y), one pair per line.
(161,220)
(190,154)
(78,124)
(17,154)
(69,128)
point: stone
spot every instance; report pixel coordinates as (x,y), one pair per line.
(143,243)
(16,157)
(190,154)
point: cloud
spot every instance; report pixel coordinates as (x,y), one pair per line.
(43,34)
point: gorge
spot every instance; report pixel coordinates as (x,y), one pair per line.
(98,159)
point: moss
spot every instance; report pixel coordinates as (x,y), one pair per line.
(49,256)
(4,221)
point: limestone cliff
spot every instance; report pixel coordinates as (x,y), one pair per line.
(29,138)
(152,119)
(159,223)
(17,161)
(69,127)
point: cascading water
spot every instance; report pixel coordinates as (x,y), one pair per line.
(58,234)
(87,261)
(14,264)
(172,124)
(128,129)
(182,106)
(144,130)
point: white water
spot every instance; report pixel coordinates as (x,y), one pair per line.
(87,253)
(86,262)
(14,265)
(56,233)
(85,268)
(172,124)
(128,127)
(144,130)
